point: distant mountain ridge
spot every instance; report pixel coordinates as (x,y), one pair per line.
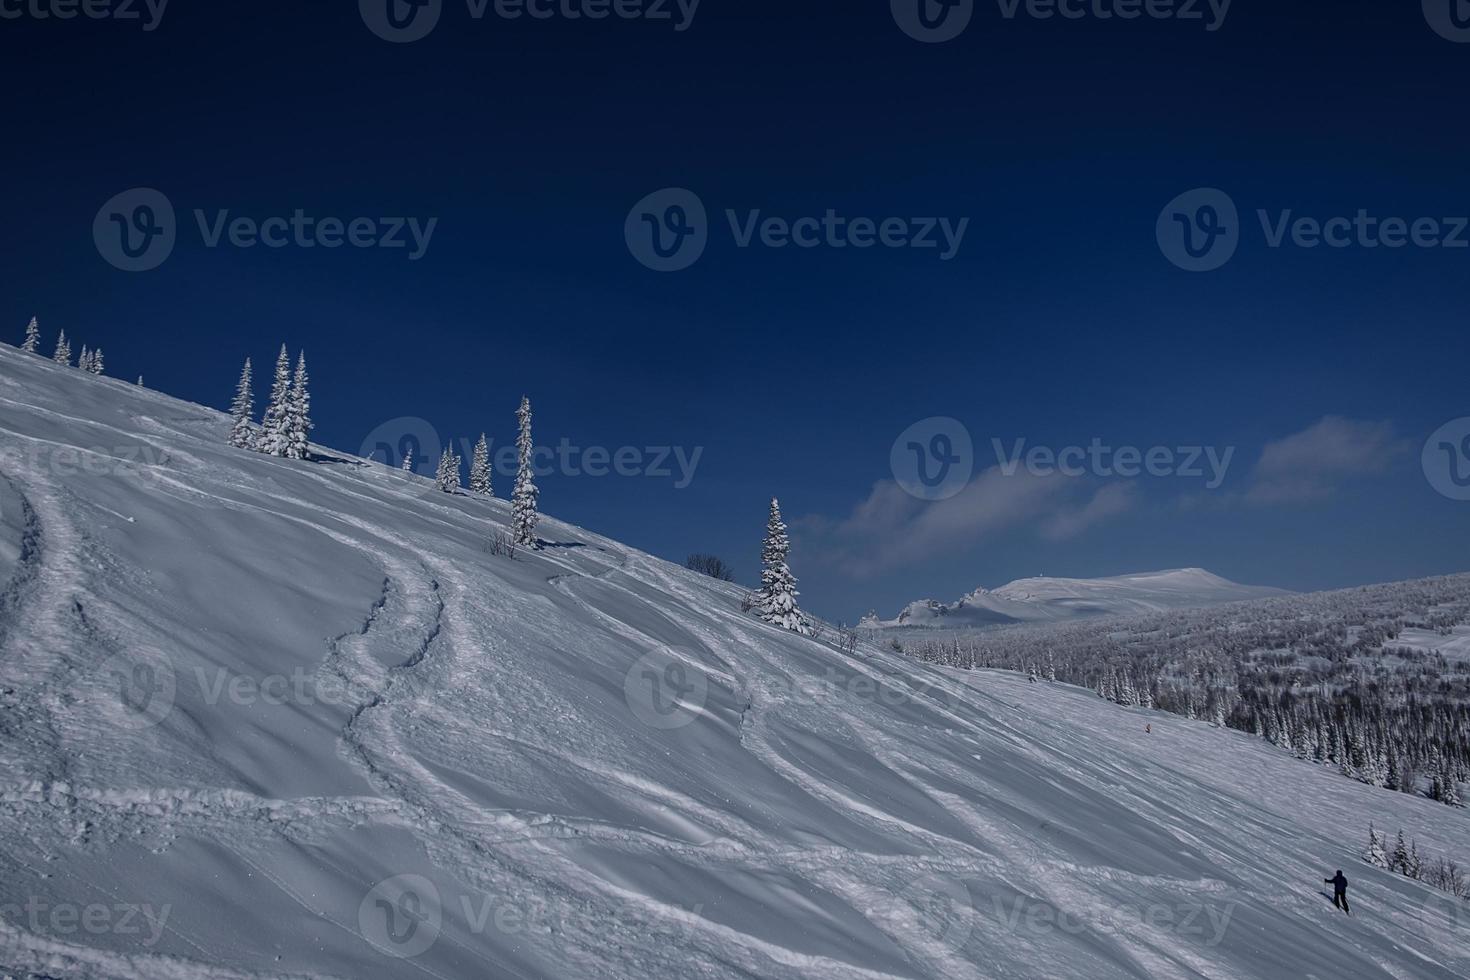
(1048,600)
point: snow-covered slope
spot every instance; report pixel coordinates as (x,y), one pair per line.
(1049,600)
(266,718)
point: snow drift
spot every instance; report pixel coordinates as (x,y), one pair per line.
(272,718)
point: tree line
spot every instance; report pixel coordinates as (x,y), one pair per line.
(1325,676)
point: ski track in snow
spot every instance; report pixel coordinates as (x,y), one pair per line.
(786,832)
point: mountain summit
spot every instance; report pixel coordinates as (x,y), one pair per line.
(1049,600)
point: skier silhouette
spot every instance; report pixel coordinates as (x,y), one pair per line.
(1339,892)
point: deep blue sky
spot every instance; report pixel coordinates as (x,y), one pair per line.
(1058,321)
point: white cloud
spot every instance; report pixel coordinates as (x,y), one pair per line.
(891,528)
(1107,503)
(1311,464)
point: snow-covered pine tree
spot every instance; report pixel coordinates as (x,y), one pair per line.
(242,410)
(480,477)
(274,432)
(447,476)
(776,601)
(98,366)
(1399,859)
(525,496)
(139,382)
(298,414)
(408,460)
(63,350)
(1377,853)
(32,344)
(84,362)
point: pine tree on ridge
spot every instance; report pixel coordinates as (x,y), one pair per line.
(776,600)
(525,496)
(242,411)
(298,414)
(274,437)
(480,475)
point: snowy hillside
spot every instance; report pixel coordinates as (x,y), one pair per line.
(1049,600)
(269,718)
